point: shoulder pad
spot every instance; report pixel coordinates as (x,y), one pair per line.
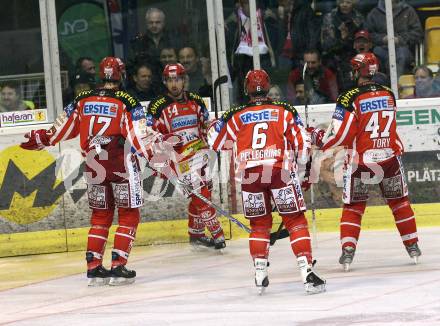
(229,113)
(347,98)
(129,101)
(157,105)
(195,97)
(287,106)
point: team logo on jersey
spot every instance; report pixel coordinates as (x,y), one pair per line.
(69,109)
(259,116)
(285,199)
(150,120)
(100,108)
(376,104)
(184,121)
(339,113)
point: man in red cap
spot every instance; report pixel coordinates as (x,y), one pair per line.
(362,42)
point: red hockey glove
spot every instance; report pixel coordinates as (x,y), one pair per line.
(316,135)
(37,140)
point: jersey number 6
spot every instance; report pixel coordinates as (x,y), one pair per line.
(259,138)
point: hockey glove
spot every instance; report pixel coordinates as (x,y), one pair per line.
(37,140)
(316,135)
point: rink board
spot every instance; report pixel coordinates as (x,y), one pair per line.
(327,220)
(43,200)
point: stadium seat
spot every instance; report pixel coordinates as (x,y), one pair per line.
(406,86)
(432,39)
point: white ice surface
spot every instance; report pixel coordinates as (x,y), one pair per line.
(177,286)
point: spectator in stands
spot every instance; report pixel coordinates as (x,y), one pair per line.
(424,78)
(362,42)
(146,47)
(10,98)
(167,55)
(299,93)
(302,32)
(337,35)
(275,93)
(84,66)
(189,58)
(242,60)
(320,82)
(407,31)
(206,89)
(142,89)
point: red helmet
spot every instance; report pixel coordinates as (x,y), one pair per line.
(112,69)
(173,70)
(364,65)
(257,82)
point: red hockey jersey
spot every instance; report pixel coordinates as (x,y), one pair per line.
(98,116)
(262,133)
(365,121)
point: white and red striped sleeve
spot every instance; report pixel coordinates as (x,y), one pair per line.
(222,132)
(134,129)
(66,125)
(297,136)
(342,129)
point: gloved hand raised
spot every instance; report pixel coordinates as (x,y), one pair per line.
(316,135)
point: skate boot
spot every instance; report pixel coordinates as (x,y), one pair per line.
(98,276)
(201,242)
(312,282)
(121,276)
(261,277)
(219,243)
(347,257)
(414,252)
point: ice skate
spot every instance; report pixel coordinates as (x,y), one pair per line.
(120,275)
(220,244)
(347,257)
(414,252)
(261,277)
(99,276)
(204,242)
(313,283)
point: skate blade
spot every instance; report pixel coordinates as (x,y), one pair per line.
(97,281)
(117,281)
(346,267)
(310,289)
(261,290)
(416,260)
(220,251)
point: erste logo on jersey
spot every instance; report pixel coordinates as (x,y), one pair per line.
(100,108)
(376,104)
(259,116)
(184,121)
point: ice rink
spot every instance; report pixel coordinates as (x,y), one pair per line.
(177,286)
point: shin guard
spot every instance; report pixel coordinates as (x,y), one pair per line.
(300,240)
(259,238)
(125,235)
(101,221)
(350,226)
(405,220)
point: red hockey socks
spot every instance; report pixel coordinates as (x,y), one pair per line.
(350,226)
(101,220)
(300,242)
(211,222)
(96,242)
(196,227)
(125,235)
(259,238)
(405,220)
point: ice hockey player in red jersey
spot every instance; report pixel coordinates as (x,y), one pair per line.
(364,122)
(185,115)
(104,119)
(268,138)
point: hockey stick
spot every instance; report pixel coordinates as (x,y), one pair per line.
(309,163)
(187,188)
(221,80)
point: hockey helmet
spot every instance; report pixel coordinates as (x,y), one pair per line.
(112,69)
(364,65)
(173,70)
(257,82)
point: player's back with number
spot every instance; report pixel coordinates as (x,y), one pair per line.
(264,133)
